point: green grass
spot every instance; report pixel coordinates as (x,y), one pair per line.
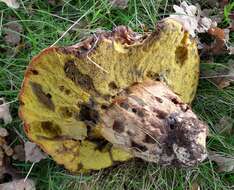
(43,24)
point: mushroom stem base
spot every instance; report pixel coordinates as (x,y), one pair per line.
(152,122)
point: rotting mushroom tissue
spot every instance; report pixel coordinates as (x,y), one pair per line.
(115,96)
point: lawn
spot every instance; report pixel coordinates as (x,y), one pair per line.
(43,23)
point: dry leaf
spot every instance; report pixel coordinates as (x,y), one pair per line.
(122,4)
(13,31)
(221,76)
(4,111)
(195,186)
(19,153)
(231,50)
(33,153)
(18,185)
(223,3)
(11,3)
(3,132)
(224,125)
(191,19)
(225,163)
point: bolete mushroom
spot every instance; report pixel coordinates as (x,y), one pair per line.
(115,96)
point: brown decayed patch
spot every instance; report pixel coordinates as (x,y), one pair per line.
(51,128)
(73,73)
(42,97)
(88,113)
(149,139)
(118,126)
(139,147)
(161,114)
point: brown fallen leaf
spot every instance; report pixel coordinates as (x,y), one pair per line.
(11,3)
(122,4)
(19,153)
(12,33)
(33,153)
(222,3)
(4,111)
(18,185)
(225,125)
(221,76)
(225,163)
(218,46)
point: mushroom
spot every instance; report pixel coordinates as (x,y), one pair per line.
(115,96)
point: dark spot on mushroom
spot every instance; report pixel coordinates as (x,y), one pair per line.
(80,166)
(104,107)
(139,147)
(1,102)
(172,121)
(138,100)
(43,98)
(161,114)
(181,54)
(160,100)
(134,110)
(61,88)
(51,128)
(112,85)
(20,102)
(49,95)
(184,107)
(154,76)
(149,139)
(131,134)
(124,105)
(66,112)
(73,73)
(175,100)
(67,92)
(35,72)
(87,113)
(101,144)
(138,111)
(118,126)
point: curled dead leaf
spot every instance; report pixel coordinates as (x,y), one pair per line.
(225,162)
(191,18)
(11,3)
(18,185)
(33,153)
(225,125)
(221,76)
(19,153)
(4,111)
(13,31)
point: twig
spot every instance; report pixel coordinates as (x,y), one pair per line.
(29,171)
(94,45)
